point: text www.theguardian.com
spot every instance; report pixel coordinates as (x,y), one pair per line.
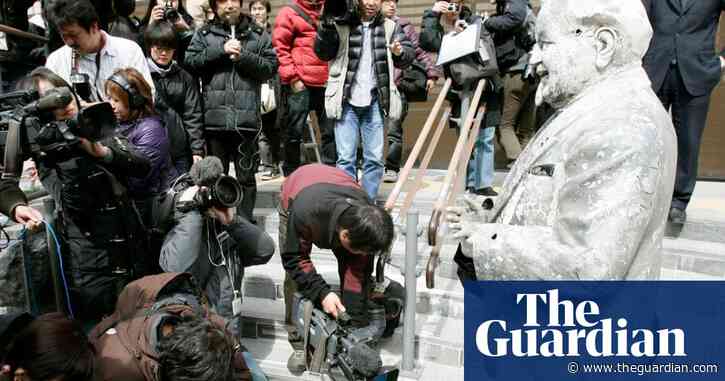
(641,369)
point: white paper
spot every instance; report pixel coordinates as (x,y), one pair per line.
(3,42)
(457,45)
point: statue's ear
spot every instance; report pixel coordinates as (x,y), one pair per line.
(606,39)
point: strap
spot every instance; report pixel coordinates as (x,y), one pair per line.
(300,12)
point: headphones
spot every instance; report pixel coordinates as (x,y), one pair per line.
(135,100)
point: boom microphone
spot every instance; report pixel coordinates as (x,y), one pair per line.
(55,98)
(206,171)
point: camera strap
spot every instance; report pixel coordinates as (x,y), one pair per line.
(300,12)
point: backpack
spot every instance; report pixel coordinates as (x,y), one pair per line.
(526,37)
(413,83)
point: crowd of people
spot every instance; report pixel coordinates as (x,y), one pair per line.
(154,234)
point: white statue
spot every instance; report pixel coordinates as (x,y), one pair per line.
(589,196)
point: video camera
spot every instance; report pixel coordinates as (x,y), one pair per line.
(340,11)
(331,343)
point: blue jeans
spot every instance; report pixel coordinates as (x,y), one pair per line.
(480,168)
(368,122)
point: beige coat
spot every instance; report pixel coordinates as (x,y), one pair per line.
(589,196)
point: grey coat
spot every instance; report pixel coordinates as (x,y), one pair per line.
(588,198)
(191,246)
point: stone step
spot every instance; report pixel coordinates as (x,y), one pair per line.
(266,282)
(439,339)
(272,355)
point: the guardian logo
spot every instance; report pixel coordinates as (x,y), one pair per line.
(573,330)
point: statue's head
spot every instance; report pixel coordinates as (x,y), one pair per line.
(581,42)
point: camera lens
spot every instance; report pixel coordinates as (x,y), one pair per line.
(171,14)
(227,192)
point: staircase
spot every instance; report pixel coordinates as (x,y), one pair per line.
(697,251)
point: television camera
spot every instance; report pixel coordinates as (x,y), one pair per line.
(341,11)
(331,344)
(26,120)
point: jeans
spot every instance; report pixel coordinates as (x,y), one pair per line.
(368,123)
(299,105)
(480,168)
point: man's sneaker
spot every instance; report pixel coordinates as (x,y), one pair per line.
(273,174)
(390,176)
(296,362)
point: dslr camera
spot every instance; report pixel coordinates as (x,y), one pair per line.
(225,192)
(170,13)
(452,8)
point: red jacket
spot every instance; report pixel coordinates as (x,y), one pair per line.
(294,40)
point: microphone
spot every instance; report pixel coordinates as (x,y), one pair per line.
(206,171)
(364,359)
(55,98)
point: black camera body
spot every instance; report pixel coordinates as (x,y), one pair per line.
(452,8)
(225,192)
(170,13)
(341,11)
(337,344)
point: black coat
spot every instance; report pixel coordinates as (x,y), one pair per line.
(688,36)
(328,42)
(505,26)
(231,89)
(179,103)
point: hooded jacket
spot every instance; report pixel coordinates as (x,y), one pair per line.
(294,41)
(126,341)
(232,89)
(328,43)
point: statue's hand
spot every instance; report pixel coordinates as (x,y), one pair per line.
(463,232)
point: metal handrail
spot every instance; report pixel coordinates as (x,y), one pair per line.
(434,257)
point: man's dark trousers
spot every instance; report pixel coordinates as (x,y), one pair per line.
(299,105)
(689,115)
(395,139)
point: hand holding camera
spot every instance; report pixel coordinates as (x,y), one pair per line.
(445,7)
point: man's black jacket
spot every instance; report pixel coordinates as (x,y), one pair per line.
(686,35)
(231,89)
(327,44)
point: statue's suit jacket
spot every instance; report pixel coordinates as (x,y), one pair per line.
(589,196)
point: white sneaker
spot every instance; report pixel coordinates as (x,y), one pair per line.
(390,176)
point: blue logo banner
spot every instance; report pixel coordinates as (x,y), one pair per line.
(559,331)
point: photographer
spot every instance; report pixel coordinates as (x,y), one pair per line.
(175,336)
(98,230)
(171,12)
(323,206)
(362,81)
(453,17)
(206,238)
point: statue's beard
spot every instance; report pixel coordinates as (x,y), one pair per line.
(559,89)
